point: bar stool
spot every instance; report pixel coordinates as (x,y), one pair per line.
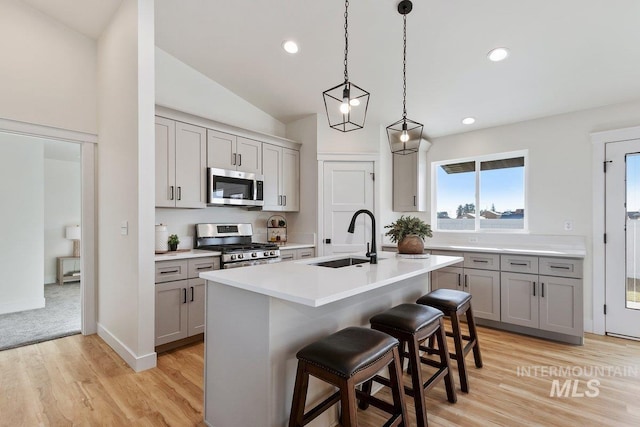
(345,359)
(454,304)
(412,324)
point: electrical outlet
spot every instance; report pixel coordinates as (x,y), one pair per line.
(568,225)
(473,239)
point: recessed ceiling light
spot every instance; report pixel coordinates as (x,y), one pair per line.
(290,46)
(498,54)
(468,121)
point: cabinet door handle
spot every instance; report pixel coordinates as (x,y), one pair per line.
(184,295)
(179,193)
(239,159)
(279,200)
(466,280)
(192,292)
(284,198)
(171,192)
(414,200)
(169,272)
(206,267)
(542,290)
(484,261)
(233,162)
(534,289)
(459,280)
(562,267)
(523,264)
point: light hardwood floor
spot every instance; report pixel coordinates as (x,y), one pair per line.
(80,381)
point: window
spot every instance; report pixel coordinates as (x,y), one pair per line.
(483,193)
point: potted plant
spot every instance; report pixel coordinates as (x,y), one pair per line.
(173,242)
(409,233)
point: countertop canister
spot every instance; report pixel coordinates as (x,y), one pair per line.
(162,237)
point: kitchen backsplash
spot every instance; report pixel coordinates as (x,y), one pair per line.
(182,221)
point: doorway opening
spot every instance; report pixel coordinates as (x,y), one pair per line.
(41,224)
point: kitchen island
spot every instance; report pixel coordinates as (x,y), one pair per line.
(258,318)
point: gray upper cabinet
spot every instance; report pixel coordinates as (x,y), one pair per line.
(281,168)
(180,164)
(226,151)
(410,182)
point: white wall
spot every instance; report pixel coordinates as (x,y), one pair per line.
(364,140)
(182,88)
(22,243)
(48,72)
(126,183)
(61,209)
(560,171)
(305,131)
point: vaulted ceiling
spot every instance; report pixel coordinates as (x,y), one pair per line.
(565,55)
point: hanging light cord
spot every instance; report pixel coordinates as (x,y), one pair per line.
(346,39)
(404,70)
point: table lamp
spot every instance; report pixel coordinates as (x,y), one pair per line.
(73,233)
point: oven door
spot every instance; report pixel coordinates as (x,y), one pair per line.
(251,262)
(234,188)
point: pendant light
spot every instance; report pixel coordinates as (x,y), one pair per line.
(346,103)
(405,134)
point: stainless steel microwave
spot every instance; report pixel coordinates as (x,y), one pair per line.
(234,188)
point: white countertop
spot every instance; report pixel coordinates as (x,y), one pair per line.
(193,253)
(312,285)
(547,250)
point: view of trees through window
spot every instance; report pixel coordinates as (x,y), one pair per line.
(486,193)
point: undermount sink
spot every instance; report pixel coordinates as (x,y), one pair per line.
(342,262)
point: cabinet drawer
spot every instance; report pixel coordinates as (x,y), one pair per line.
(199,265)
(305,253)
(561,267)
(519,263)
(167,271)
(287,255)
(482,261)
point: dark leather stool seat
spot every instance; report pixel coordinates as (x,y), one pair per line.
(346,359)
(454,304)
(412,324)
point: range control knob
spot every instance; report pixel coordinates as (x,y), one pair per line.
(272,253)
(266,253)
(254,254)
(233,257)
(240,256)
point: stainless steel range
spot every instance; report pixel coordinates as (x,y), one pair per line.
(234,241)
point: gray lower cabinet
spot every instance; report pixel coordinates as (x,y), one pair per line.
(544,302)
(551,301)
(180,298)
(293,254)
(482,284)
(529,294)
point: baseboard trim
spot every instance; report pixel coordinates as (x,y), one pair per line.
(137,363)
(23,305)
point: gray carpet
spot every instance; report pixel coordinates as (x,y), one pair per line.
(59,318)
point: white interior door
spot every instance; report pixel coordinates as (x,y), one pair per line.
(348,187)
(622,255)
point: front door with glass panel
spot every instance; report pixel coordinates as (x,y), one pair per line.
(622,251)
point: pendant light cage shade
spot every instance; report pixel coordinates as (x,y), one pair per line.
(404,136)
(346,106)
